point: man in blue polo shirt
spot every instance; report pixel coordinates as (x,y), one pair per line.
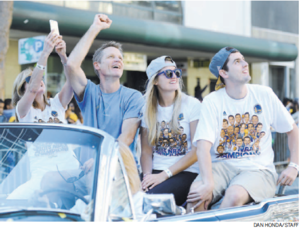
(108,106)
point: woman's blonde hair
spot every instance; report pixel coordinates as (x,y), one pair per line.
(19,87)
(130,167)
(152,100)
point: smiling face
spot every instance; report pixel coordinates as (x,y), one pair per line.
(247,141)
(259,127)
(250,127)
(225,124)
(220,149)
(239,142)
(238,118)
(238,72)
(254,120)
(165,84)
(236,130)
(111,64)
(166,133)
(222,133)
(231,120)
(230,130)
(246,118)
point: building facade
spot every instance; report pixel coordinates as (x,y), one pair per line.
(190,32)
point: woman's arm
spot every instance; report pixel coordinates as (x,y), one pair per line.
(146,153)
(185,162)
(66,93)
(34,85)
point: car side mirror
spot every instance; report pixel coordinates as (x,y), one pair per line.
(162,204)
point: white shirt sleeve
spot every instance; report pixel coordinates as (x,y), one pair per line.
(27,118)
(282,120)
(57,103)
(207,123)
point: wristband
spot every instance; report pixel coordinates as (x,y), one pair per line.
(168,172)
(296,166)
(145,174)
(41,67)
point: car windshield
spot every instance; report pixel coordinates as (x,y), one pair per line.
(47,168)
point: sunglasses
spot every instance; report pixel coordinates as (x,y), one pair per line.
(27,79)
(169,73)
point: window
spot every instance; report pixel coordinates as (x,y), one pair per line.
(163,11)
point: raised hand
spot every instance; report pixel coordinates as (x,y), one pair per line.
(50,42)
(61,48)
(101,21)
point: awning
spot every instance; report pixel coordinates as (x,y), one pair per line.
(73,22)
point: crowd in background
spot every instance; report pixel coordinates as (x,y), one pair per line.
(293,107)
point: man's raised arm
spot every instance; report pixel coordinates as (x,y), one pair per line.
(73,67)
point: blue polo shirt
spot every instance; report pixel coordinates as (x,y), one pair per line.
(107,111)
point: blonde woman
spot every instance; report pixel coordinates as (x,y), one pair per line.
(32,105)
(168,158)
(29,90)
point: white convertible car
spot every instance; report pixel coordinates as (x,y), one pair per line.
(52,172)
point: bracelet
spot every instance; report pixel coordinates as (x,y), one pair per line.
(296,166)
(41,67)
(147,173)
(168,172)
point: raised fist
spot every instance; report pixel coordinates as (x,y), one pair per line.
(101,21)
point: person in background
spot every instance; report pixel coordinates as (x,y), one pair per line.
(9,110)
(3,118)
(73,110)
(199,91)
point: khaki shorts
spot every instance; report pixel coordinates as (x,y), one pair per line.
(260,183)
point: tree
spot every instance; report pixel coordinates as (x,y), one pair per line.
(6,10)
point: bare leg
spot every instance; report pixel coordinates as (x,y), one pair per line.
(194,186)
(235,195)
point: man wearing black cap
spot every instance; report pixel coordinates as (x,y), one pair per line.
(240,176)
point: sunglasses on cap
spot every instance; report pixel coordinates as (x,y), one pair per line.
(169,73)
(27,79)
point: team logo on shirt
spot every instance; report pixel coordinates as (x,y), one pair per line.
(54,113)
(257,109)
(180,117)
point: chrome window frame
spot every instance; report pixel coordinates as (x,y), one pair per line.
(106,177)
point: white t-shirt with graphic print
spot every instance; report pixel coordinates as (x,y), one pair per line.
(55,113)
(264,108)
(171,147)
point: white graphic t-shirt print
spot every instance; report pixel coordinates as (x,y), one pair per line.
(240,129)
(241,134)
(171,147)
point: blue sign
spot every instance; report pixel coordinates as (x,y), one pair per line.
(30,49)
